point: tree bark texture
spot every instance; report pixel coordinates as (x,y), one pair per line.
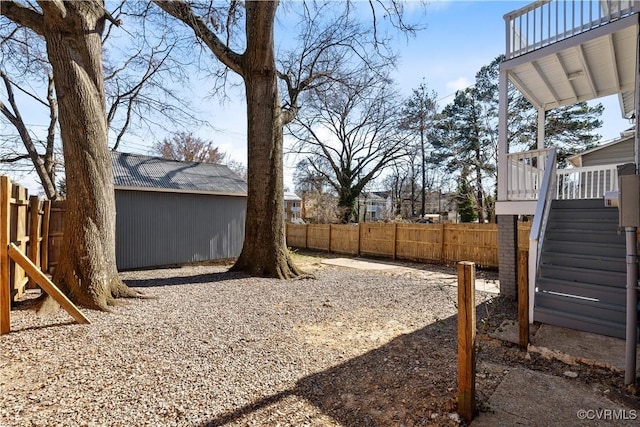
(87,270)
(264,252)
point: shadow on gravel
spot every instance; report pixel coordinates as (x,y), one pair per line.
(411,380)
(183,280)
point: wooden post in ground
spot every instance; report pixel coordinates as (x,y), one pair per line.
(329,238)
(44,246)
(466,340)
(523,299)
(5,231)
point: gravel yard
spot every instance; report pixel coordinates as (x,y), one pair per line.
(349,348)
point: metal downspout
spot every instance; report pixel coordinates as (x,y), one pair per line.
(632,306)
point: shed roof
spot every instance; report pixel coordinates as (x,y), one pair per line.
(145,173)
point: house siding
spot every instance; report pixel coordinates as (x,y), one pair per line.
(615,154)
(157,228)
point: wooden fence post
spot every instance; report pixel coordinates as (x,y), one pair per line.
(44,246)
(523,299)
(395,237)
(359,237)
(466,340)
(5,230)
(34,233)
(329,238)
(306,236)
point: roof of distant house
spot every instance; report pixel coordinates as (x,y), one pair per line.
(291,197)
(146,173)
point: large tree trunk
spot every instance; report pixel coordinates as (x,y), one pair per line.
(87,269)
(264,252)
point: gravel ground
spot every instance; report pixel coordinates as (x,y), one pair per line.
(349,348)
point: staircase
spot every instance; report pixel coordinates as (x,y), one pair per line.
(582,275)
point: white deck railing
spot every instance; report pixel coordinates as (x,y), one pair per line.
(586,182)
(526,171)
(525,174)
(548,21)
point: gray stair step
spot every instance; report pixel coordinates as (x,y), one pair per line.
(571,235)
(582,248)
(582,323)
(609,294)
(566,304)
(597,261)
(605,214)
(583,224)
(584,275)
(578,204)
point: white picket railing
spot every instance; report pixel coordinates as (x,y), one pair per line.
(526,170)
(525,173)
(586,182)
(548,21)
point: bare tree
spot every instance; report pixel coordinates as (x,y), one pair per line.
(186,147)
(419,112)
(140,90)
(44,164)
(72,32)
(351,126)
(253,59)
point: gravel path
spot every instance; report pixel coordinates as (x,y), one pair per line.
(350,348)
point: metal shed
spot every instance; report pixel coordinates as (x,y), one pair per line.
(171,212)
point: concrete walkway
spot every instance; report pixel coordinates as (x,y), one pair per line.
(534,398)
(490,286)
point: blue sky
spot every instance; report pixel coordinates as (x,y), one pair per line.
(460,37)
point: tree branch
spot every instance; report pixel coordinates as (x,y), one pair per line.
(182,11)
(22,15)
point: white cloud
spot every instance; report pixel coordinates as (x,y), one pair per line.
(458,84)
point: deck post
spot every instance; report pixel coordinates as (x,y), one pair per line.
(466,340)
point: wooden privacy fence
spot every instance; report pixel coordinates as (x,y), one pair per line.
(25,223)
(30,232)
(410,241)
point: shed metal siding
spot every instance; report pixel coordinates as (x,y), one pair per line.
(155,228)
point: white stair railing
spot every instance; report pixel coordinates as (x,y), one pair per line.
(539,225)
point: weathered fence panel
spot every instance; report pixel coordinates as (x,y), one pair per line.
(410,241)
(319,237)
(24,223)
(344,238)
(297,235)
(377,239)
(56,230)
(477,242)
(419,242)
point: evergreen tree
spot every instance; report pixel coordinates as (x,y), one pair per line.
(465,199)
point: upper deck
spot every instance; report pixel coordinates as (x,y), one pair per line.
(562,52)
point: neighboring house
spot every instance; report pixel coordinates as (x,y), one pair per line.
(170,212)
(292,207)
(559,53)
(616,152)
(373,206)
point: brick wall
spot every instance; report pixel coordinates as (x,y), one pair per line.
(508,255)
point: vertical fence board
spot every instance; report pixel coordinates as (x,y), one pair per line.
(44,244)
(33,251)
(5,292)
